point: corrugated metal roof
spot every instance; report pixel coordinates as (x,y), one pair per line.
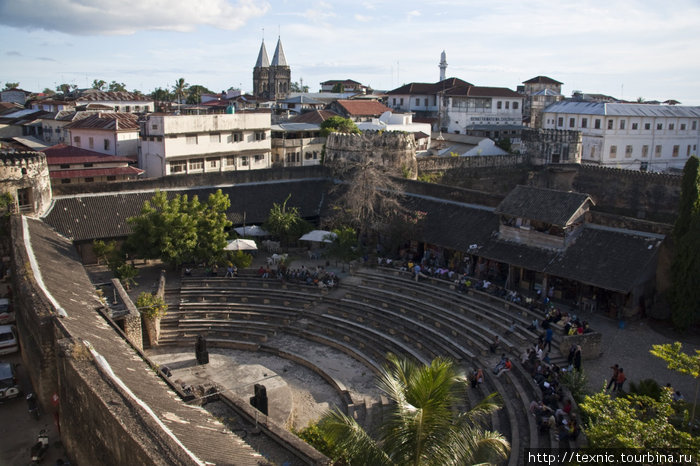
(112,121)
(618,109)
(296,127)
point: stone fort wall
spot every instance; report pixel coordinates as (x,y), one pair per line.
(394,150)
(27,172)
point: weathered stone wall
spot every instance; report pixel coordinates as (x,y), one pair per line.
(132,321)
(453,193)
(100,424)
(26,170)
(396,151)
(431,164)
(551,146)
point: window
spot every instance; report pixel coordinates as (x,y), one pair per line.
(635,126)
(507,105)
(65,165)
(647,126)
(584,122)
(572,122)
(394,99)
(417,102)
(91,142)
(230,161)
(695,125)
(89,179)
(154,126)
(657,151)
(235,137)
(671,126)
(106,145)
(592,152)
(613,152)
(645,151)
(401,101)
(76,141)
(260,135)
(610,124)
(128,108)
(659,126)
(159,138)
(515,105)
(307,156)
(676,149)
(111,178)
(213,163)
(628,151)
(87,165)
(191,139)
(116,108)
(178,167)
(687,153)
(597,123)
(65,180)
(622,124)
(315,155)
(560,121)
(215,138)
(259,158)
(244,160)
(197,164)
(683,126)
(137,108)
(426,101)
(499,104)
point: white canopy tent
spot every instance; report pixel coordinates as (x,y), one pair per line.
(251,230)
(319,236)
(241,245)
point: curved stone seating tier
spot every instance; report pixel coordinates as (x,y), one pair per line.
(384,313)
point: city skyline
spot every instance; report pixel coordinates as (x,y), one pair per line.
(624,49)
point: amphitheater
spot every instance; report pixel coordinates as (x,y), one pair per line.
(300,341)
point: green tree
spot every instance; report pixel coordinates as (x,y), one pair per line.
(286,222)
(66,88)
(151,305)
(634,421)
(116,87)
(181,229)
(345,246)
(162,95)
(424,425)
(296,87)
(337,88)
(48,91)
(194,94)
(99,84)
(681,362)
(338,124)
(9,86)
(685,267)
(179,90)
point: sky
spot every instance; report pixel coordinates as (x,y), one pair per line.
(627,49)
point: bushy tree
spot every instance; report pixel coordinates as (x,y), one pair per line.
(194,94)
(345,246)
(116,87)
(161,95)
(151,305)
(338,124)
(179,89)
(685,268)
(99,84)
(424,425)
(286,222)
(9,86)
(634,421)
(180,230)
(681,362)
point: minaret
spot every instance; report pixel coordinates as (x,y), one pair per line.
(261,74)
(443,65)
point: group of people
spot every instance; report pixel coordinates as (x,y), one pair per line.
(317,276)
(618,378)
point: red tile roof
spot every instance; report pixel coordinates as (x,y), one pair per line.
(541,80)
(102,96)
(65,154)
(110,121)
(94,172)
(363,107)
(429,88)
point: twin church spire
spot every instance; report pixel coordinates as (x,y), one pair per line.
(271,80)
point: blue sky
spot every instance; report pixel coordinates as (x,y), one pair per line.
(629,49)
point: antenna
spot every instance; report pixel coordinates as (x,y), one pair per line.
(263,34)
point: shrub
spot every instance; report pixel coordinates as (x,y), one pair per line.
(151,305)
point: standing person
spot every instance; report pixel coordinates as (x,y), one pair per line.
(548,335)
(577,358)
(613,379)
(620,381)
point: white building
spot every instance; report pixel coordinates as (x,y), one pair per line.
(185,144)
(297,144)
(389,121)
(108,133)
(635,136)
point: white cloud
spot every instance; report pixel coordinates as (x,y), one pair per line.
(99,17)
(321,12)
(413,14)
(363,18)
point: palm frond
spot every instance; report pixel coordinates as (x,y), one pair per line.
(344,432)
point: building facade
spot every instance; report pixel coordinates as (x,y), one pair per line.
(539,92)
(108,133)
(296,144)
(633,136)
(186,144)
(271,81)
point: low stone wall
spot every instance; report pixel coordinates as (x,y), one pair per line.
(434,163)
(590,344)
(132,321)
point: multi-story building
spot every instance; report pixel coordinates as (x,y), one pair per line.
(185,144)
(343,85)
(296,144)
(70,165)
(124,102)
(626,135)
(358,110)
(539,92)
(108,133)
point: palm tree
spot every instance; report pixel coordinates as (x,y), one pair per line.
(424,426)
(179,89)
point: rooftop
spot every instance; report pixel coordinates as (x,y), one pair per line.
(363,107)
(110,121)
(541,80)
(622,109)
(65,154)
(544,205)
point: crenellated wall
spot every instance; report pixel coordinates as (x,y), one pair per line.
(396,151)
(428,164)
(25,175)
(551,146)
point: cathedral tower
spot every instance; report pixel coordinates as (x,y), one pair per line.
(271,81)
